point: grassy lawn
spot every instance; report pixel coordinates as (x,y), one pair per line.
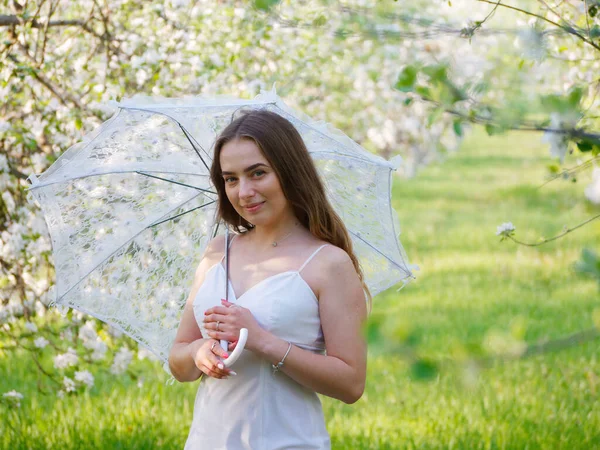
(470,285)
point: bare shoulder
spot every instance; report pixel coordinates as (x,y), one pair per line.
(215,245)
(331,257)
(329,269)
(213,253)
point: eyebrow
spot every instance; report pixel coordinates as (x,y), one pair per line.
(247,169)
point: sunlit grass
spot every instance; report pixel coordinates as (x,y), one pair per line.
(469,286)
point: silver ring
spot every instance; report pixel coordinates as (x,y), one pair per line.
(213,346)
(218,325)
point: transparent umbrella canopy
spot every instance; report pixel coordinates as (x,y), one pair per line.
(131,208)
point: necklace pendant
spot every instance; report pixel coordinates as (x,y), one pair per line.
(274,244)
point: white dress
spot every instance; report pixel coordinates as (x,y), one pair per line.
(259,409)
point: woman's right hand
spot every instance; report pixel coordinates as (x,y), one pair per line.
(205,353)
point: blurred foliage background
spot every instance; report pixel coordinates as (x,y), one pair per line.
(492,105)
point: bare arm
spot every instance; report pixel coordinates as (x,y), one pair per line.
(189,338)
(341,373)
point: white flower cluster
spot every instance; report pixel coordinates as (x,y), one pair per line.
(40,342)
(84,377)
(13,397)
(121,361)
(505,230)
(592,191)
(67,359)
(91,340)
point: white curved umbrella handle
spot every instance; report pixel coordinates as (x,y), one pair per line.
(239,348)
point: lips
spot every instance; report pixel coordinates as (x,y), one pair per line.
(253,207)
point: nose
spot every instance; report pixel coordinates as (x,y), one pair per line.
(246,189)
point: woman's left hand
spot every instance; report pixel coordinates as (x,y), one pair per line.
(224,323)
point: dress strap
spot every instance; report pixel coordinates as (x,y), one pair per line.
(311,257)
(232,237)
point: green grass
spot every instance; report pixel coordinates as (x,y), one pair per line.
(470,284)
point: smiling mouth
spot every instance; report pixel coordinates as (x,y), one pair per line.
(253,206)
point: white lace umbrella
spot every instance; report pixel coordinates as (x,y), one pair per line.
(131,209)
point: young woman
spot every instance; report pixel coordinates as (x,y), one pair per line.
(295,284)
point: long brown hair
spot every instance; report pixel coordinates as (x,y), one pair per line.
(283,147)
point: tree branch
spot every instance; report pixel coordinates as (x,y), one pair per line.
(569,29)
(13,20)
(545,241)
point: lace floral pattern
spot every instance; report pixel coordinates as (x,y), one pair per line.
(131,209)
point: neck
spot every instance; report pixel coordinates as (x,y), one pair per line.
(265,235)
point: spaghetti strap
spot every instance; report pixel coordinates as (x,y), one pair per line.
(311,257)
(233,236)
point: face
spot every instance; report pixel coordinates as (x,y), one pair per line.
(251,184)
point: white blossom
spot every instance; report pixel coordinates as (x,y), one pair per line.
(506,229)
(40,342)
(88,333)
(559,143)
(99,347)
(69,384)
(121,361)
(67,359)
(31,327)
(592,191)
(85,377)
(13,397)
(9,202)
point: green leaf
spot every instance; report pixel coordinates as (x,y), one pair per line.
(436,72)
(78,123)
(458,129)
(406,79)
(554,168)
(589,264)
(575,96)
(319,21)
(265,5)
(434,116)
(423,370)
(584,146)
(492,130)
(423,91)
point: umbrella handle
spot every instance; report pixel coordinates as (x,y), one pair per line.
(239,348)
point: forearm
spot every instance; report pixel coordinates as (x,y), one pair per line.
(182,364)
(326,375)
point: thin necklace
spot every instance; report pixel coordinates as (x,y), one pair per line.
(275,243)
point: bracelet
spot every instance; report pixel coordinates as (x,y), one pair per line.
(277,367)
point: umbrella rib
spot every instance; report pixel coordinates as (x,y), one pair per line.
(41,185)
(176,182)
(391,210)
(181,214)
(120,247)
(346,155)
(185,132)
(321,133)
(189,136)
(379,251)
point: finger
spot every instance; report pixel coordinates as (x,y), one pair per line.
(220,352)
(214,318)
(216,310)
(217,366)
(221,335)
(226,303)
(232,345)
(212,373)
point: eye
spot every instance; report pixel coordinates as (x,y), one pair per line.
(229,179)
(258,173)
